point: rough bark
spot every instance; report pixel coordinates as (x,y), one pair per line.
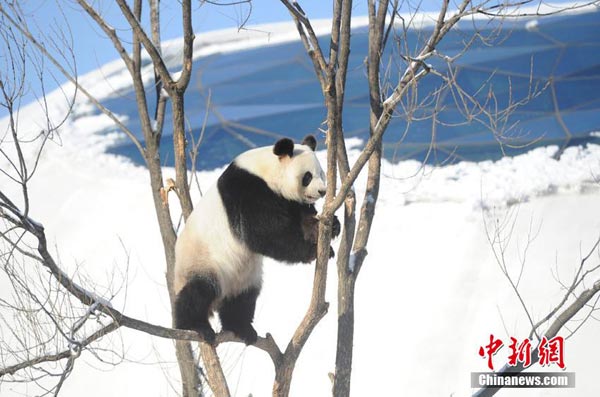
(179,146)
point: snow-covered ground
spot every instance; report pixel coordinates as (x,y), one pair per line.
(429,295)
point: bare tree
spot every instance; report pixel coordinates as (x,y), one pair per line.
(40,308)
(386,95)
(579,297)
(151,126)
(392,93)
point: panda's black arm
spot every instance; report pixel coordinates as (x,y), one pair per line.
(291,235)
(279,233)
(266,222)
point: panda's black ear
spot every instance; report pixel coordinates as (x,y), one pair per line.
(284,147)
(310,141)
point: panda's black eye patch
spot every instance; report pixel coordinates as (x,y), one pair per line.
(306,179)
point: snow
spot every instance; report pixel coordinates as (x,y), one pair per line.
(428,296)
(429,293)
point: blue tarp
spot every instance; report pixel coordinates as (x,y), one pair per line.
(549,67)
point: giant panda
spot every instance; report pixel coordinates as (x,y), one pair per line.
(262,205)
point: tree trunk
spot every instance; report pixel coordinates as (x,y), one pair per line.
(179,146)
(183,349)
(345,336)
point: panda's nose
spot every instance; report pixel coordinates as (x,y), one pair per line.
(322,192)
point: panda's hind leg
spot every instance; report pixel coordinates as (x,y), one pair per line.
(193,305)
(237,313)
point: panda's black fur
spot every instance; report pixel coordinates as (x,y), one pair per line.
(271,225)
(264,223)
(193,306)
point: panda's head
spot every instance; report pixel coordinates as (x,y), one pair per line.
(291,170)
(303,179)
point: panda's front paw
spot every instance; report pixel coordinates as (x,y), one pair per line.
(336,227)
(331,252)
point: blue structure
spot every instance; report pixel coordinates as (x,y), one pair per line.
(261,94)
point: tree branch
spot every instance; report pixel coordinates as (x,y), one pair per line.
(312,41)
(110,32)
(59,356)
(148,45)
(188,46)
(564,317)
(25,32)
(119,319)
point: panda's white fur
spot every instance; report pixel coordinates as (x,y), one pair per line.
(282,174)
(209,248)
(207,245)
